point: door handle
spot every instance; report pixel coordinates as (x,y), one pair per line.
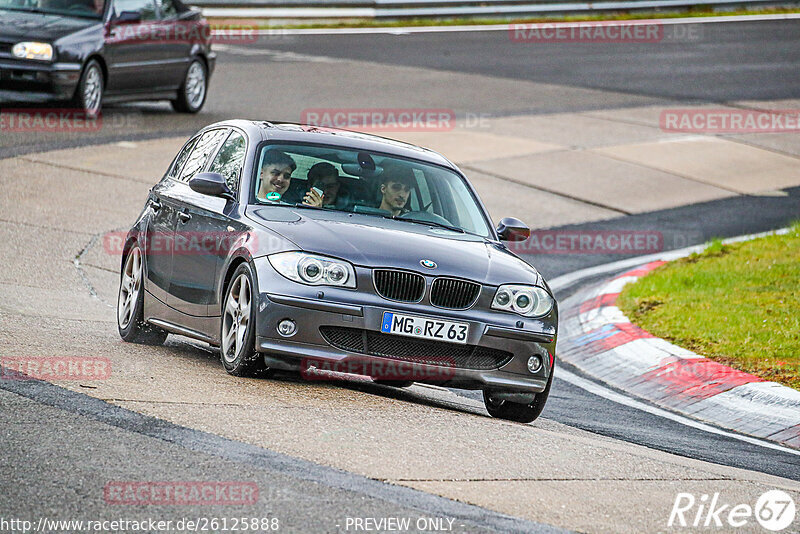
(184,217)
(155,205)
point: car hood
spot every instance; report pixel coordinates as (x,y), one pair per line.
(373,242)
(19,25)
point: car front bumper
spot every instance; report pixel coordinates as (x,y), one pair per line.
(315,308)
(25,81)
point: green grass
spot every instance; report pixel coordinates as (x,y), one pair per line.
(737,304)
(697,11)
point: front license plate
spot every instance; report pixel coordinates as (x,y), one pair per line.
(412,326)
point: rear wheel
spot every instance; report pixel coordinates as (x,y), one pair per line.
(130,304)
(192,94)
(89,93)
(238,332)
(515,411)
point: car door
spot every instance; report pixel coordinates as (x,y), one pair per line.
(197,234)
(160,234)
(182,31)
(133,48)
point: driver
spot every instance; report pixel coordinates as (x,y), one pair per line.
(276,175)
(396,185)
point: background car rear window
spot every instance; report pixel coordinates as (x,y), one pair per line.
(206,145)
(145,8)
(229,160)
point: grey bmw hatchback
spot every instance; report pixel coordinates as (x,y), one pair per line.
(334,253)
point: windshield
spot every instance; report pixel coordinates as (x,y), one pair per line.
(75,8)
(372,184)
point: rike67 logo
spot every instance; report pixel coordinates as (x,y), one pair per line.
(775,511)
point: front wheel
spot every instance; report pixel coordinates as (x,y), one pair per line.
(130,304)
(238,329)
(89,93)
(515,411)
(192,94)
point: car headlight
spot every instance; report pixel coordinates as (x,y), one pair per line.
(529,301)
(33,50)
(313,269)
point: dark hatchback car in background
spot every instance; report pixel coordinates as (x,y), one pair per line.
(404,271)
(90,52)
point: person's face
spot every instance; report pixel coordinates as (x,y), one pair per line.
(395,194)
(330,187)
(276,178)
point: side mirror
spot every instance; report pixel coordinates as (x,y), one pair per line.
(212,184)
(511,229)
(128,17)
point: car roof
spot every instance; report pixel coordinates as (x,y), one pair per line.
(304,133)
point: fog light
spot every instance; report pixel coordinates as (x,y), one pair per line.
(534,364)
(287,328)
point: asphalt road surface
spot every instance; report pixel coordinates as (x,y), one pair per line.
(477,73)
(59,444)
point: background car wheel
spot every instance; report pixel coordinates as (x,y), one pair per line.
(192,94)
(89,93)
(514,411)
(238,331)
(130,304)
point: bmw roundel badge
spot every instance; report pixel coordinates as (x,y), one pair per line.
(428,264)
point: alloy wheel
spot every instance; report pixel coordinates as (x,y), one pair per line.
(236,319)
(129,288)
(93,90)
(195,85)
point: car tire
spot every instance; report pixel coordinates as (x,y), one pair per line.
(130,303)
(238,326)
(515,411)
(192,93)
(89,93)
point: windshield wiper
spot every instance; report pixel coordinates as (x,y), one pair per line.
(429,223)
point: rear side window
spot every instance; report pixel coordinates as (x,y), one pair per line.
(230,159)
(206,145)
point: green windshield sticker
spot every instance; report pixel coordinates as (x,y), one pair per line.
(273,196)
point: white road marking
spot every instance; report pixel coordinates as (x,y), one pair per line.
(600,391)
(275,55)
(567,280)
